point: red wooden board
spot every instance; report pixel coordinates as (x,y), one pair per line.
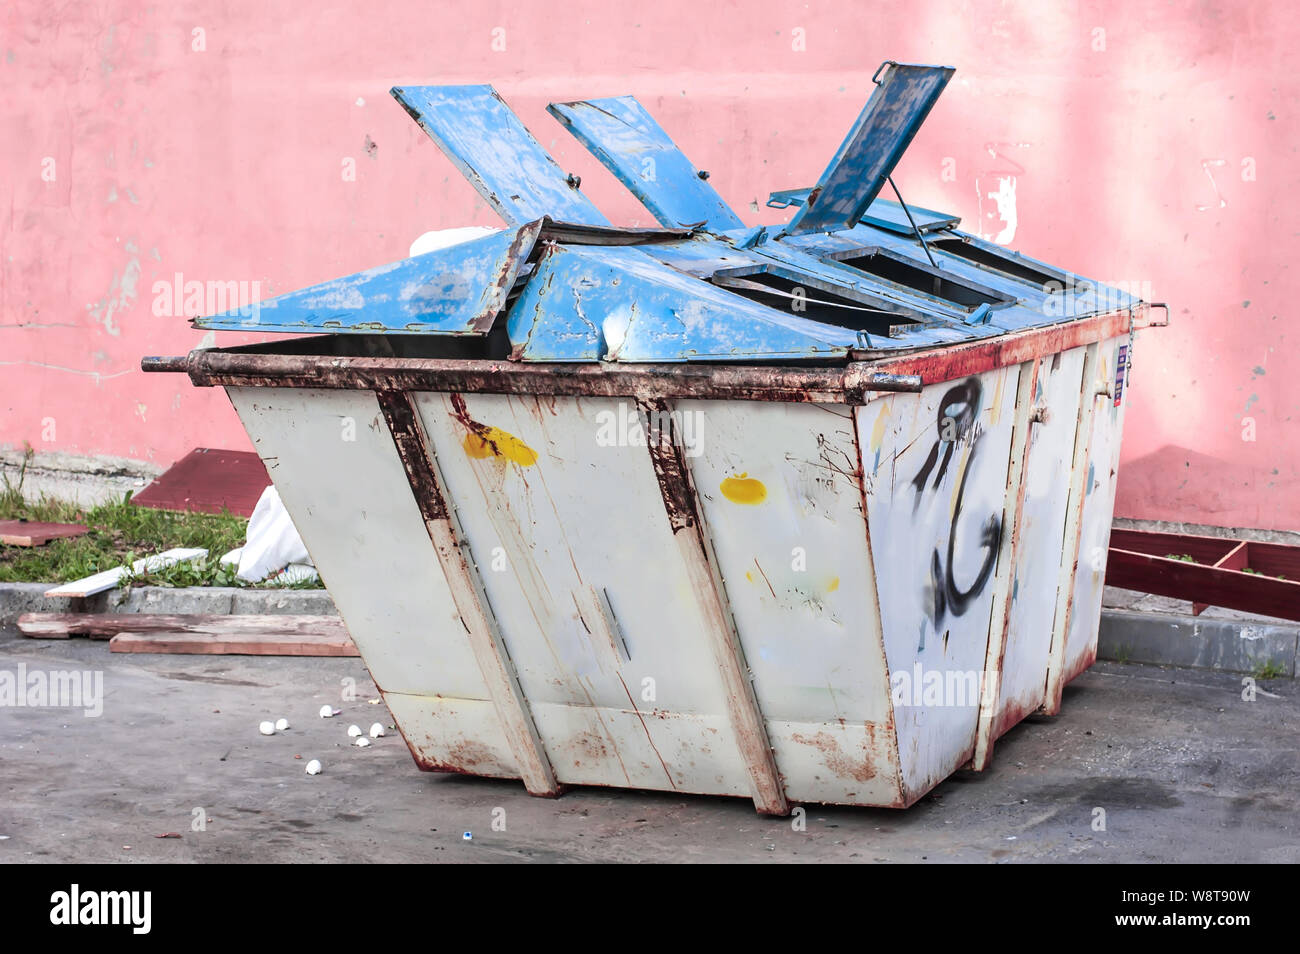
(1146,561)
(26,533)
(209,481)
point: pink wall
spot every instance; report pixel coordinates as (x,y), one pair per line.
(1143,143)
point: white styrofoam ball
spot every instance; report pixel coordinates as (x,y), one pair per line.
(354,731)
(328,712)
(266,728)
(362,741)
(313,767)
(281,725)
(377,731)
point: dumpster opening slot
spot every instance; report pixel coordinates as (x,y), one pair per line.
(807,297)
(916,277)
(998,261)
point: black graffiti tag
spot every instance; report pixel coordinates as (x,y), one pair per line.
(956,418)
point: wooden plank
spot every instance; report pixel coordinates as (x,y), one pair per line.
(1274,559)
(24,533)
(111,579)
(1237,574)
(234,644)
(1234,559)
(1234,589)
(687,520)
(105,625)
(1207,550)
(208,481)
(467,592)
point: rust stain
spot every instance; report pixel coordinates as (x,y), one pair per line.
(843,765)
(470,756)
(743,489)
(765,579)
(408,436)
(670,470)
(464,758)
(590,746)
(649,737)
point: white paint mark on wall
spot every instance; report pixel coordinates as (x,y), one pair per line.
(996,191)
(121,294)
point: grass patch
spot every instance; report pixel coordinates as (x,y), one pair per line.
(1268,670)
(120,533)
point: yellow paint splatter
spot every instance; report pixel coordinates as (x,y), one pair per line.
(743,489)
(834,584)
(878,429)
(494,442)
(995,408)
(749,576)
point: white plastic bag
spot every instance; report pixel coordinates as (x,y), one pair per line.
(273,541)
(445,238)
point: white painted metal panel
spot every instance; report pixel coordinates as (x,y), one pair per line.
(850,763)
(452,734)
(935,468)
(1042,532)
(781,495)
(656,749)
(332,458)
(564,518)
(1098,509)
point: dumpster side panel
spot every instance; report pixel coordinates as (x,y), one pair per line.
(563,515)
(333,461)
(451,734)
(935,470)
(1098,504)
(642,748)
(1041,536)
(781,493)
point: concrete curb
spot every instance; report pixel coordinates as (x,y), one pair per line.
(19,598)
(1198,642)
(1163,639)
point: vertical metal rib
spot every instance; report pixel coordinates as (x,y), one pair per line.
(1073,533)
(1004,578)
(467,591)
(686,519)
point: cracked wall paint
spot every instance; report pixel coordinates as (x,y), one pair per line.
(121,294)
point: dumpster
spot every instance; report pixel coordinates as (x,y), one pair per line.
(809,513)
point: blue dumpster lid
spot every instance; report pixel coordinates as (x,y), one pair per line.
(851,272)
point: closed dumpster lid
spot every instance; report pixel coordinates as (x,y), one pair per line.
(852,272)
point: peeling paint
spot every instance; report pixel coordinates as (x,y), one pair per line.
(121,294)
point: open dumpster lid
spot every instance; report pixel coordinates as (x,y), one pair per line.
(868,155)
(628,142)
(851,273)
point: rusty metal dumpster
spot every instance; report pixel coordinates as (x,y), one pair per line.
(800,514)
